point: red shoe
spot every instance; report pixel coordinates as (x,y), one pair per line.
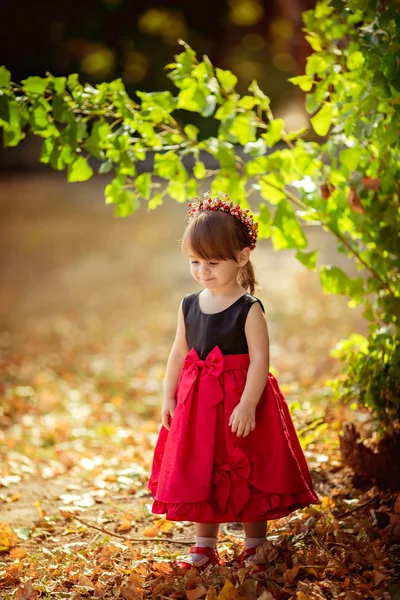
(210,558)
(247,553)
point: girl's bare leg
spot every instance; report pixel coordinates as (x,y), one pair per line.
(258,529)
(206,529)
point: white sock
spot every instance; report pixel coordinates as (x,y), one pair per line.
(203,542)
(250,543)
(206,542)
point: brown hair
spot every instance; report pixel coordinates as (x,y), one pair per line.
(213,234)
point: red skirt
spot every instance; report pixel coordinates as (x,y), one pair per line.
(202,472)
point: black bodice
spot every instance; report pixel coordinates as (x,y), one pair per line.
(224,329)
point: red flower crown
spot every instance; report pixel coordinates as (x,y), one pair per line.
(226,205)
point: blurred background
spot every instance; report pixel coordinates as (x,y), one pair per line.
(88,297)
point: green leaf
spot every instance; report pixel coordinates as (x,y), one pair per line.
(263,100)
(143,185)
(227,108)
(286,232)
(40,119)
(79,170)
(157,200)
(309,259)
(311,103)
(60,109)
(243,128)
(192,188)
(335,281)
(36,85)
(169,166)
(248,102)
(271,187)
(12,136)
(316,65)
(127,203)
(274,132)
(100,138)
(4,109)
(314,41)
(191,132)
(355,60)
(126,164)
(12,131)
(264,222)
(321,122)
(350,157)
(177,191)
(191,97)
(227,79)
(199,170)
(73,81)
(258,166)
(156,106)
(5,77)
(126,200)
(59,84)
(305,82)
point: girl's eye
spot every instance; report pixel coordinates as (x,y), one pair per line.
(212,263)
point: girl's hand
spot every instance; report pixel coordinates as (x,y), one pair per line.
(242,420)
(167,411)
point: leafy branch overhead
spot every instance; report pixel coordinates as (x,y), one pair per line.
(347,183)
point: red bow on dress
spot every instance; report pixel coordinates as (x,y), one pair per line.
(232,476)
(209,371)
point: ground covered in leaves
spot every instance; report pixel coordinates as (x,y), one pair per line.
(88,310)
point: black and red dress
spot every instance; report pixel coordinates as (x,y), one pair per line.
(201,471)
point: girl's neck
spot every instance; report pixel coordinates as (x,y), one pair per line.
(227,291)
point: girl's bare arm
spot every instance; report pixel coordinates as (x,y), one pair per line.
(256,331)
(176,357)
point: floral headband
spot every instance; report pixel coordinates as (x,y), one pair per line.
(226,205)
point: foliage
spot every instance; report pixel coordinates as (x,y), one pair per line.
(372,369)
(348,184)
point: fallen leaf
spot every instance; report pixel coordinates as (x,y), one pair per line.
(196,593)
(26,592)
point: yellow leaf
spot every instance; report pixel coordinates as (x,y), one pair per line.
(150,531)
(228,592)
(8,537)
(37,505)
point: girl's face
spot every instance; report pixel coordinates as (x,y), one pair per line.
(215,273)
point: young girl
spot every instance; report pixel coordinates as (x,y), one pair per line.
(227,449)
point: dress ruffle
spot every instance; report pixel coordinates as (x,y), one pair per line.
(203,472)
(262,508)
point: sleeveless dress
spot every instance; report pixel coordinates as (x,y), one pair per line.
(201,471)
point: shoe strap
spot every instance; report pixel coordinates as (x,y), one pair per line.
(249,551)
(200,550)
